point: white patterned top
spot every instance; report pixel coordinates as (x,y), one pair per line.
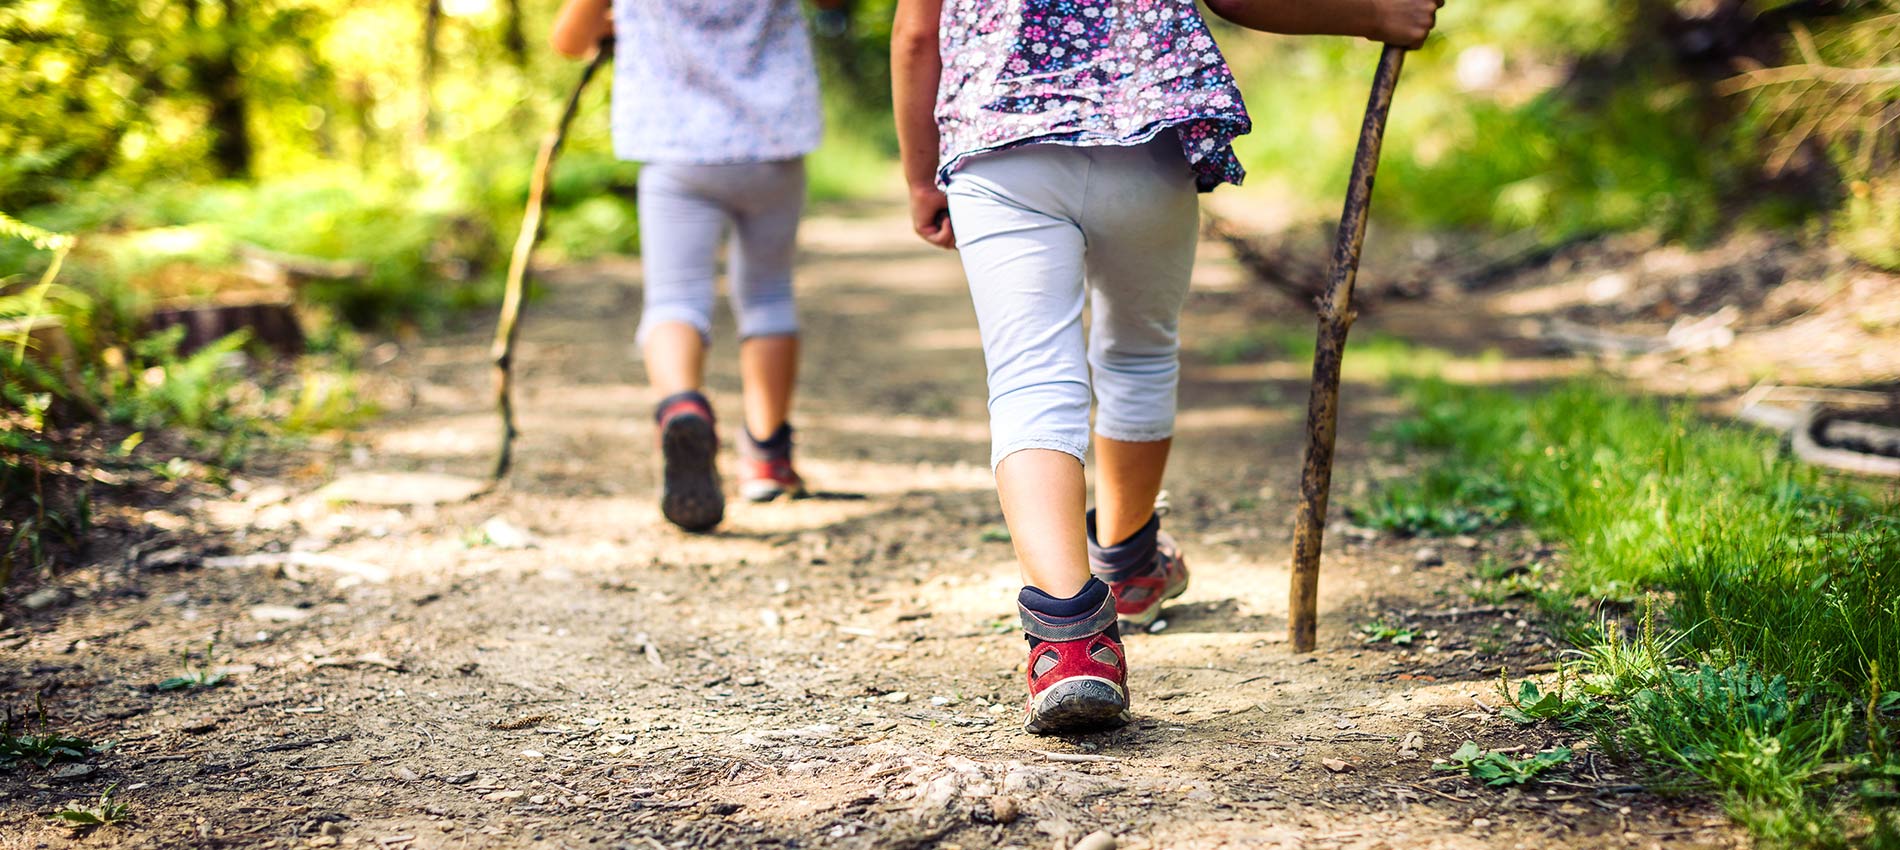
(713,81)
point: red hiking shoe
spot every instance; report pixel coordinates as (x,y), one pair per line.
(765,468)
(1078,672)
(1140,588)
(690,496)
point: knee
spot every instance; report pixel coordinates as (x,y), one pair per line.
(765,308)
(1149,362)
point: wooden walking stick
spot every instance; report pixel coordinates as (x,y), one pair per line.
(506,328)
(1335,319)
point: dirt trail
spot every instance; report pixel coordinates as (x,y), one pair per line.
(837,672)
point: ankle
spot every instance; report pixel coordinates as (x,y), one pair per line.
(1131,555)
(1079,606)
(692,398)
(780,439)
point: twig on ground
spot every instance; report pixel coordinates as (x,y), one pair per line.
(1084,758)
(1467,612)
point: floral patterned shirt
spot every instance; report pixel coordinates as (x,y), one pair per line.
(713,81)
(1085,72)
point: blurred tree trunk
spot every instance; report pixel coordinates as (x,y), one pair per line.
(513,39)
(216,73)
(431,55)
(361,102)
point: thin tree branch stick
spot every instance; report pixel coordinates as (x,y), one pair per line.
(1875,76)
(1335,319)
(506,328)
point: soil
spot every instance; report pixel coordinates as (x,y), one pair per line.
(551,665)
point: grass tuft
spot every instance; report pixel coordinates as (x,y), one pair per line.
(1771,595)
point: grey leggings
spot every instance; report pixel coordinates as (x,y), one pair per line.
(1042,229)
(685,210)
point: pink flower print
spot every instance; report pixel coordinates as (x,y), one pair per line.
(1073,27)
(1018,65)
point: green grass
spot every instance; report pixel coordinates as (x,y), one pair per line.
(1774,593)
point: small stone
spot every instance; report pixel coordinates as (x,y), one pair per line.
(504,796)
(1427,556)
(331,828)
(323,841)
(533,754)
(400,489)
(461,778)
(45,597)
(897,697)
(200,725)
(1480,823)
(1003,810)
(1097,840)
(502,534)
(71,772)
(405,774)
(278,613)
(1157,627)
(1336,765)
(539,799)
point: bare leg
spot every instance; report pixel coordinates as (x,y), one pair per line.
(676,357)
(1042,493)
(1127,479)
(769,368)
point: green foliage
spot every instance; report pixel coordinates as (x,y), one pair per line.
(103,813)
(191,675)
(1380,631)
(43,748)
(1837,92)
(1756,673)
(1498,769)
(1440,503)
(1565,703)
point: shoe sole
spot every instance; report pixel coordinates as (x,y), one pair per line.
(1080,704)
(1147,618)
(766,491)
(690,496)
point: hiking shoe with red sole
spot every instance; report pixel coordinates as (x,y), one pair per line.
(690,496)
(1078,672)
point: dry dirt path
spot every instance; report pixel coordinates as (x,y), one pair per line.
(837,672)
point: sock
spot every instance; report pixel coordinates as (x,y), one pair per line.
(1126,558)
(1078,607)
(777,445)
(659,410)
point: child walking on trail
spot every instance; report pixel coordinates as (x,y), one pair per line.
(719,101)
(1059,146)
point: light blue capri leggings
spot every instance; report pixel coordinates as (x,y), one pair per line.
(1044,228)
(686,209)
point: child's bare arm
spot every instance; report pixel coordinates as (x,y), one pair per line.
(579,27)
(1404,23)
(916,67)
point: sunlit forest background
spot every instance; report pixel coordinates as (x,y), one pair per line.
(373,156)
